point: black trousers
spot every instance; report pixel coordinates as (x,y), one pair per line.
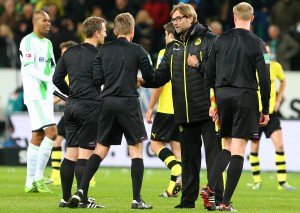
(191,137)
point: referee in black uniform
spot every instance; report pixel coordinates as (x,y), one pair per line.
(82,106)
(116,66)
(235,59)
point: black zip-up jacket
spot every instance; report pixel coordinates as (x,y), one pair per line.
(116,66)
(189,97)
(236,57)
(77,63)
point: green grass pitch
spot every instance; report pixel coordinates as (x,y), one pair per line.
(113,189)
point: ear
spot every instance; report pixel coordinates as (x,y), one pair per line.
(252,18)
(234,18)
(115,32)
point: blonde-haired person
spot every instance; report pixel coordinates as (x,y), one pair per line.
(116,67)
(184,63)
(82,106)
(231,71)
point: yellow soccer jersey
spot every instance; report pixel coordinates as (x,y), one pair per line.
(276,72)
(165,101)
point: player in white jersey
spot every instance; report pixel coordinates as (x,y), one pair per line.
(36,54)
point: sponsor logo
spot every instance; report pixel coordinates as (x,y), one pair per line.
(267,59)
(153,134)
(41,59)
(176,49)
(198,41)
(28,55)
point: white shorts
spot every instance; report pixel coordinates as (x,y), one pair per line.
(41,114)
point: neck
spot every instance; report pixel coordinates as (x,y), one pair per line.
(91,41)
(128,37)
(41,36)
(243,24)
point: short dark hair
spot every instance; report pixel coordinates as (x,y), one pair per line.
(169,27)
(67,44)
(91,25)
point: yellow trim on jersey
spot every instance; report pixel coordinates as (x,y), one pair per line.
(165,101)
(276,72)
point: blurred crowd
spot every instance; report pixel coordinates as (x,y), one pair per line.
(276,22)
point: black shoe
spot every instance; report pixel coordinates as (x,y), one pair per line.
(208,197)
(90,204)
(62,203)
(140,205)
(75,199)
(187,205)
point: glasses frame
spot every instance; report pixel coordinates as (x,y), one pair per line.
(177,19)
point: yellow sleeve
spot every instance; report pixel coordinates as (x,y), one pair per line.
(160,57)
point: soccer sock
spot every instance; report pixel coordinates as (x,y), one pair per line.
(220,164)
(32,153)
(67,170)
(281,167)
(234,172)
(43,157)
(79,169)
(170,161)
(90,169)
(56,157)
(255,168)
(137,173)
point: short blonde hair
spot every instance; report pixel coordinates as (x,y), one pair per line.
(186,10)
(124,22)
(243,11)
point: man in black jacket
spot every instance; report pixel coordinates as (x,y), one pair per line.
(236,58)
(184,63)
(116,67)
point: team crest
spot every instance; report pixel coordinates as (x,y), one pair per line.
(198,41)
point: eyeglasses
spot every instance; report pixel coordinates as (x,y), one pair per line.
(177,19)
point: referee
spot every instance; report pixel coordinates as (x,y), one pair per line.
(82,106)
(235,59)
(116,66)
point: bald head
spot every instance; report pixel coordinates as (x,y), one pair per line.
(41,23)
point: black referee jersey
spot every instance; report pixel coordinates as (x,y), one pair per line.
(235,57)
(116,66)
(77,63)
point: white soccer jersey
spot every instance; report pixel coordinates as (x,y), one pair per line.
(37,68)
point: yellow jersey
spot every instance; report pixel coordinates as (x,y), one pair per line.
(276,72)
(165,101)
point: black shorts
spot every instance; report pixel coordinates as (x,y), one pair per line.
(238,112)
(81,120)
(164,128)
(272,126)
(61,129)
(118,116)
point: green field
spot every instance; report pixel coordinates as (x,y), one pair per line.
(114,191)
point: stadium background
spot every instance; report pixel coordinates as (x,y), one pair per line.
(150,15)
